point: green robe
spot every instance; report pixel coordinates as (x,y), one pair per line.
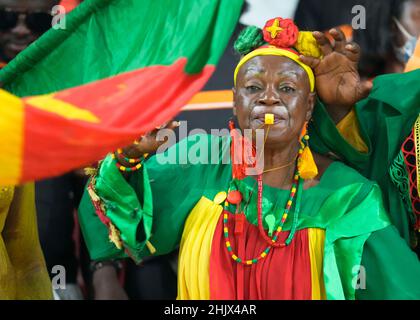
(155,203)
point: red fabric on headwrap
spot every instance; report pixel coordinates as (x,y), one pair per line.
(282,33)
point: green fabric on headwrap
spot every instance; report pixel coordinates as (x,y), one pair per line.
(249,39)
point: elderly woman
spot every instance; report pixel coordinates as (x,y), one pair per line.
(303,227)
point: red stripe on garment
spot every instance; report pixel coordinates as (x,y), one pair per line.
(285,273)
(128,105)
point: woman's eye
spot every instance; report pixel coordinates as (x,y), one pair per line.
(287,89)
(252,89)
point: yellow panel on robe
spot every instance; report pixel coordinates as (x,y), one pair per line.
(316,251)
(349,129)
(195,249)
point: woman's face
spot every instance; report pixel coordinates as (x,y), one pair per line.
(277,85)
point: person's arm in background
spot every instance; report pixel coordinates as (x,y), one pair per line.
(22,243)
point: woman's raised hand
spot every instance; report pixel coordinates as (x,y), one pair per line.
(338,83)
(148,143)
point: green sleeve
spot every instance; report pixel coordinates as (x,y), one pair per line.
(95,233)
(326,139)
(352,214)
(391,269)
(153,204)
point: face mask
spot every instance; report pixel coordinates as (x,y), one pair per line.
(404,53)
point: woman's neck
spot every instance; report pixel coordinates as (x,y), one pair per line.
(280,165)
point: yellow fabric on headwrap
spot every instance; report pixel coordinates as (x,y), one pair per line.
(274,51)
(307,45)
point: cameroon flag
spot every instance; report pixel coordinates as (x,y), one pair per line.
(111,71)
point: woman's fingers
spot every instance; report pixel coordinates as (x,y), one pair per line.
(339,40)
(167,125)
(323,42)
(352,51)
(310,61)
(172,125)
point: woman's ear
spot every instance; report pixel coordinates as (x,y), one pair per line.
(234,101)
(311,105)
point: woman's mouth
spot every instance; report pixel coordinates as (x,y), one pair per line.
(260,119)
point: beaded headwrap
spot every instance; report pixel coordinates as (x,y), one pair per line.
(279,37)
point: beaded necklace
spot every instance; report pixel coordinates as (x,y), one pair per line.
(297,188)
(235,197)
(272,242)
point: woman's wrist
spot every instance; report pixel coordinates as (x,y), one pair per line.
(107,285)
(127,164)
(338,113)
(97,265)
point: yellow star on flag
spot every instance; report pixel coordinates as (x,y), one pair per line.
(274,29)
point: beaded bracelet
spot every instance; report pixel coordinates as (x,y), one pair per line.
(128,169)
(129,160)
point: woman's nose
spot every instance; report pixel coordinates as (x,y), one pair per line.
(269,99)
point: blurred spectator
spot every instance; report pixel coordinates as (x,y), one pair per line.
(392,30)
(21,23)
(387,42)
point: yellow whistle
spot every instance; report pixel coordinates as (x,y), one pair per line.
(269,118)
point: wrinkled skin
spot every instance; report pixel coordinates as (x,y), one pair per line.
(338,83)
(277,85)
